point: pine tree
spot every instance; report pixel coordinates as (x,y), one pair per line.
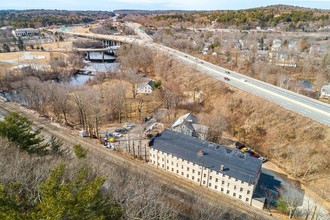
(18,130)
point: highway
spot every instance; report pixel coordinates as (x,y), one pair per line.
(305,106)
(300,104)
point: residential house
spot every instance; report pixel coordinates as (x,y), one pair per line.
(325,91)
(187,124)
(315,49)
(219,168)
(292,46)
(144,88)
(276,46)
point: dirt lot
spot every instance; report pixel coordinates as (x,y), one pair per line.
(66,45)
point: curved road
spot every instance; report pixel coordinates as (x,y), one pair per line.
(300,104)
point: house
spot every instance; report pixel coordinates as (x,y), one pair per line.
(219,168)
(276,46)
(292,45)
(187,124)
(145,87)
(25,32)
(315,49)
(325,91)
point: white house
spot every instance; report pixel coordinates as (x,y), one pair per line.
(277,43)
(25,32)
(325,91)
(219,168)
(187,124)
(144,88)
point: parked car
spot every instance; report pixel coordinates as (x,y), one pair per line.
(263,159)
(255,155)
(121,130)
(239,145)
(117,134)
(226,78)
(128,125)
(245,149)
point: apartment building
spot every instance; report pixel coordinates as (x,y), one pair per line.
(25,32)
(211,165)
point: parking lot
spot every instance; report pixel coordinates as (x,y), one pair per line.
(130,138)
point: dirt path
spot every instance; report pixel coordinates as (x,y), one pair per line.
(170,180)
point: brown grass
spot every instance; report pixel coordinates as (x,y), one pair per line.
(271,130)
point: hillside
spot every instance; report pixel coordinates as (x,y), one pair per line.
(271,16)
(44,18)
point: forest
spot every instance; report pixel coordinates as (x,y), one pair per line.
(44,18)
(250,18)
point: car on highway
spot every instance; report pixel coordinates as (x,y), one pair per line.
(226,78)
(185,56)
(227,72)
(202,62)
(244,80)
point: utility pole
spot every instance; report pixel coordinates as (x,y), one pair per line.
(145,153)
(314,213)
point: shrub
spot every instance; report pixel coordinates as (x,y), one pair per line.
(79,151)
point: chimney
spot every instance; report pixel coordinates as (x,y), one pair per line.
(222,167)
(200,153)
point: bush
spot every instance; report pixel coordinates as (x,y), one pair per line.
(79,151)
(282,206)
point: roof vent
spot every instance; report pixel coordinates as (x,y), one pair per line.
(228,151)
(222,167)
(200,153)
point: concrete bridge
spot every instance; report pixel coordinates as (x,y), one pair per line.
(109,49)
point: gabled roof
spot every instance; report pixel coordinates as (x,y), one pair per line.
(146,83)
(187,117)
(187,124)
(326,88)
(236,164)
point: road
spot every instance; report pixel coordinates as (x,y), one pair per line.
(167,179)
(305,106)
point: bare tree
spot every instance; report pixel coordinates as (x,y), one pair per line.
(217,124)
(292,196)
(60,101)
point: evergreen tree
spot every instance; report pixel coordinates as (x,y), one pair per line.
(79,198)
(18,130)
(5,48)
(20,44)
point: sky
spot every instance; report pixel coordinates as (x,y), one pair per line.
(110,5)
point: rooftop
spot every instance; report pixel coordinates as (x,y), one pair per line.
(187,117)
(236,164)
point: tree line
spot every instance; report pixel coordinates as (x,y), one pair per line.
(71,186)
(44,18)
